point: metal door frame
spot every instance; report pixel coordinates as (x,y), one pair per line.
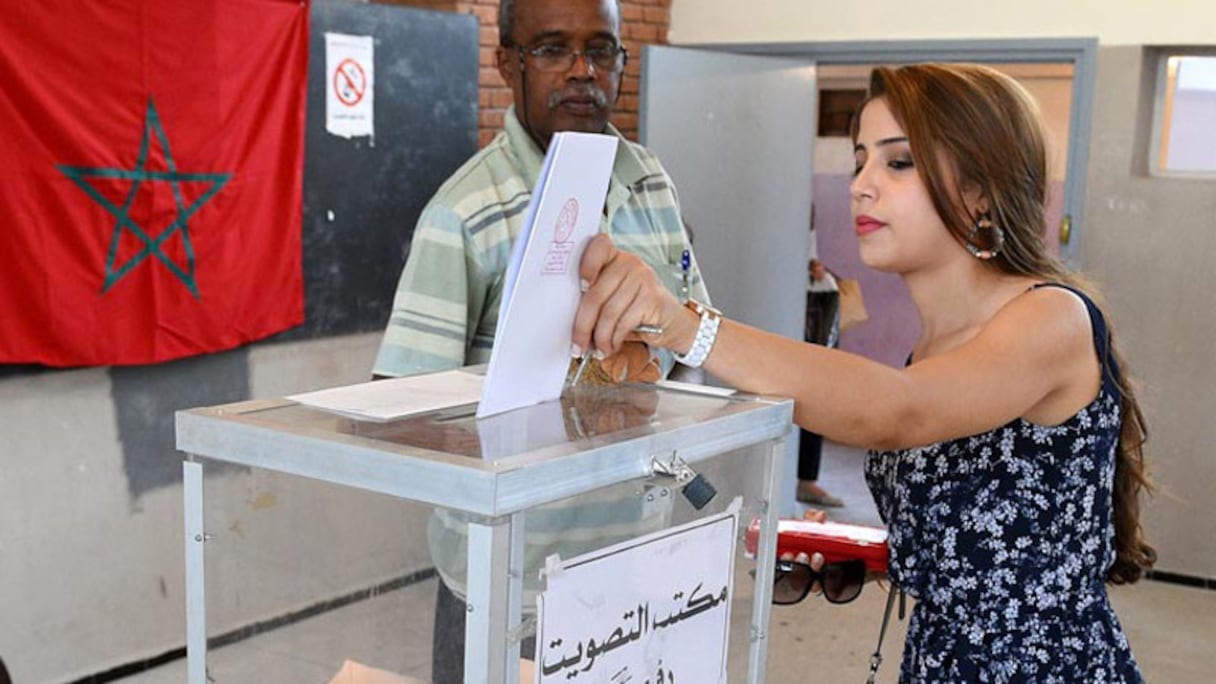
(1082,53)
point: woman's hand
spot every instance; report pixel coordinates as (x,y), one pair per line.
(621,293)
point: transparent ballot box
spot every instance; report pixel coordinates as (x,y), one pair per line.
(554,543)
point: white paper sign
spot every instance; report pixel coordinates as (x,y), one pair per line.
(350,78)
(652,610)
(540,291)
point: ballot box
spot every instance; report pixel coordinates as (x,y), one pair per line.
(596,538)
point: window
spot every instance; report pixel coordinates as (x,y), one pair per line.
(1184,128)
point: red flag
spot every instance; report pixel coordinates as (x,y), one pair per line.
(151,174)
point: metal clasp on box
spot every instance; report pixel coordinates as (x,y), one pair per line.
(696,488)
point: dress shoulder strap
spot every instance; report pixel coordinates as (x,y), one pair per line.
(1110,367)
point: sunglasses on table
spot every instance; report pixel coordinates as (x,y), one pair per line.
(840,582)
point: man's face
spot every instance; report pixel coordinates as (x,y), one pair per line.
(578,98)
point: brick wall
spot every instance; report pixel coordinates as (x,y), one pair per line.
(642,22)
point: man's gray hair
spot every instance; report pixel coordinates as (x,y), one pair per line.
(506,20)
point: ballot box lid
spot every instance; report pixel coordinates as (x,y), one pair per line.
(594,436)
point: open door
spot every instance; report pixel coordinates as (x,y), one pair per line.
(736,133)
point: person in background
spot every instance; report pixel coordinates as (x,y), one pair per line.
(822,327)
(1006,457)
(822,305)
(563,60)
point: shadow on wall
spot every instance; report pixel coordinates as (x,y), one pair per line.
(145,400)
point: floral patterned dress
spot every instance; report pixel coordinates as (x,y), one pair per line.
(1004,538)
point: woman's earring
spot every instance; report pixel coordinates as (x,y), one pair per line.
(996,239)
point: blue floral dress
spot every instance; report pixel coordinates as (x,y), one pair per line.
(1004,538)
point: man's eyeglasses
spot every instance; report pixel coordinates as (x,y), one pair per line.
(608,58)
(841,582)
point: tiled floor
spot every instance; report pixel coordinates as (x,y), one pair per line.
(1170,628)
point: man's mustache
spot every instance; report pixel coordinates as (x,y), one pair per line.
(598,96)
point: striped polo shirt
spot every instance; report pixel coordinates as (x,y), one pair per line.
(446,308)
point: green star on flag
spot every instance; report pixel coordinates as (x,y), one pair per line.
(152,240)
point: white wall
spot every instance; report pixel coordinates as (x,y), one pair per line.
(91,577)
(1149,242)
(1114,22)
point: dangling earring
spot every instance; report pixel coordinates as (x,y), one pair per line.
(997,239)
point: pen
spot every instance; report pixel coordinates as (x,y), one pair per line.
(582,366)
(685,265)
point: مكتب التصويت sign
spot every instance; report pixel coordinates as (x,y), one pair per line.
(655,610)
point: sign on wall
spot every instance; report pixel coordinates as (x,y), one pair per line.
(350,85)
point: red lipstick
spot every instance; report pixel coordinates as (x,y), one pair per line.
(867,224)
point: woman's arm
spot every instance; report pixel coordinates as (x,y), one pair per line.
(1036,352)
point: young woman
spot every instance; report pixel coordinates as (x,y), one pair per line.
(1006,456)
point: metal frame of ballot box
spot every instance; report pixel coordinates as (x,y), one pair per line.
(495,487)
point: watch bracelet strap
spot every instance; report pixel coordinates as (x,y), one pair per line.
(703,343)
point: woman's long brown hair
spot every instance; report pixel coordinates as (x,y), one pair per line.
(970,126)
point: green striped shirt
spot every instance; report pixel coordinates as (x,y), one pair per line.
(446,307)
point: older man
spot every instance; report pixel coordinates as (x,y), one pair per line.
(563,60)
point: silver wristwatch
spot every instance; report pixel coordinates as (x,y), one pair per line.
(707,333)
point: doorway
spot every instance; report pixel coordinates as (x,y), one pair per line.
(1060,70)
(742,153)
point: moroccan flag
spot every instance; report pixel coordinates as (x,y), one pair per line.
(151,173)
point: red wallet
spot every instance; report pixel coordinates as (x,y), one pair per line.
(836,541)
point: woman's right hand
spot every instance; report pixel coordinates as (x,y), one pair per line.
(622,292)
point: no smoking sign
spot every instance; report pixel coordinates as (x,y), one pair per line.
(350,82)
(350,85)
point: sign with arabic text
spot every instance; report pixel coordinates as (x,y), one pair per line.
(654,610)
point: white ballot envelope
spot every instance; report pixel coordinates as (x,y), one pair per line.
(531,352)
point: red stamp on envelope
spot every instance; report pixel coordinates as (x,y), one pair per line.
(557,258)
